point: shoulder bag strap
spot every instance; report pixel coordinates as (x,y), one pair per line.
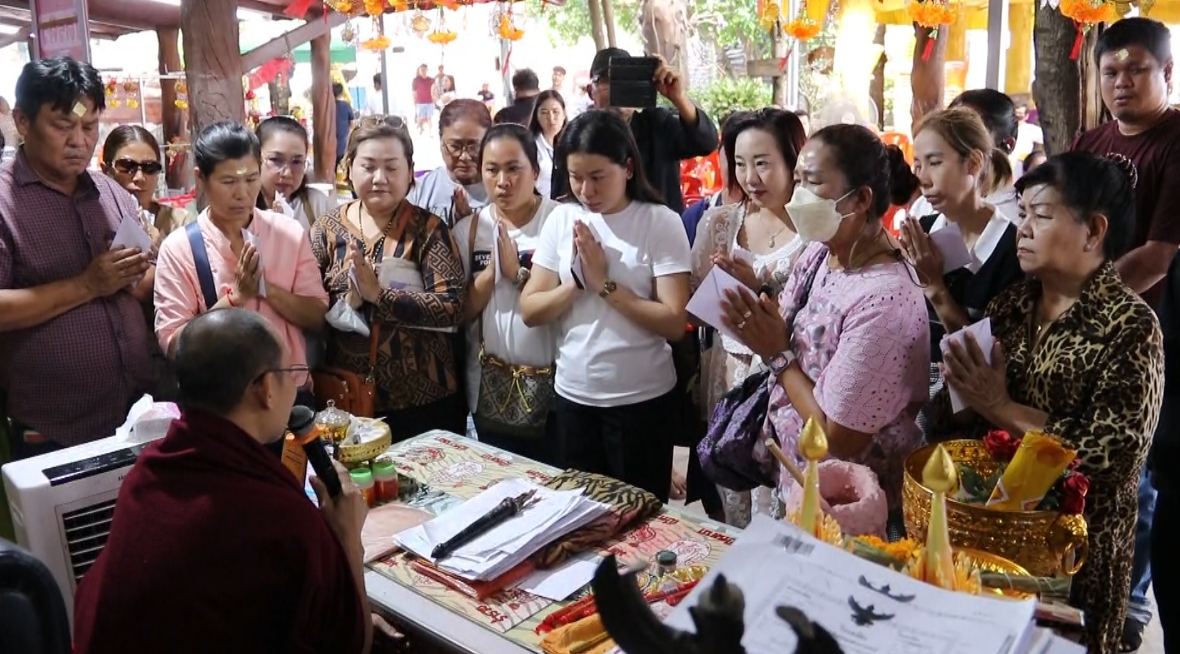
(471,278)
(201,261)
(308,212)
(805,286)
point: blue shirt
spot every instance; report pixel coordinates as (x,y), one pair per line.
(344,117)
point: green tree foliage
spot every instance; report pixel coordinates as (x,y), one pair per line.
(722,23)
(728,95)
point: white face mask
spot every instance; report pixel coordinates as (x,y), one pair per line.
(815,218)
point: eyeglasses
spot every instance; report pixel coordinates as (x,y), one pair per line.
(130,166)
(278,164)
(299,374)
(374,121)
(459,148)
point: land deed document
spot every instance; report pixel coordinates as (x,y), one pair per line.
(868,608)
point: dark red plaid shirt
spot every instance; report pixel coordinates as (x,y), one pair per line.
(71,378)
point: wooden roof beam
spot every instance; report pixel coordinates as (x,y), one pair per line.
(285,43)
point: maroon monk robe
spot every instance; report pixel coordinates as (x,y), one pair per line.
(215,548)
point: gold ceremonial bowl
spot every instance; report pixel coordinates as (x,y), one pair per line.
(352,455)
(1042,542)
(988,562)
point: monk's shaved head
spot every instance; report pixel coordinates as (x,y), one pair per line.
(219,354)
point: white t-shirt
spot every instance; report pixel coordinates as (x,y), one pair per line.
(435,192)
(604,359)
(1005,200)
(504,332)
(545,163)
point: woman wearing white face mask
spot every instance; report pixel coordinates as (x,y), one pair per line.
(856,352)
(754,241)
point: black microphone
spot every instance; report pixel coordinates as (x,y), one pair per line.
(301,424)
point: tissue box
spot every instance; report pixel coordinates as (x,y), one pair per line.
(154,422)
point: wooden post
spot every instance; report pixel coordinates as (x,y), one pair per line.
(178,174)
(212,61)
(877,83)
(323,110)
(928,76)
(1058,84)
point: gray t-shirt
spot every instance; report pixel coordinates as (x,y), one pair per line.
(435,192)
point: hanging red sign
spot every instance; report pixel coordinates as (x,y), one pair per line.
(60,27)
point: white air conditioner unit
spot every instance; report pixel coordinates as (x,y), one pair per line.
(62,504)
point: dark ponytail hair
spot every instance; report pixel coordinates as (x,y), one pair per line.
(998,112)
(604,133)
(903,183)
(863,160)
(964,131)
(272,126)
(222,142)
(1089,184)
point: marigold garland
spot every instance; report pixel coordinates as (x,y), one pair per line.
(375,8)
(803,29)
(1086,14)
(377,43)
(442,38)
(931,14)
(508,30)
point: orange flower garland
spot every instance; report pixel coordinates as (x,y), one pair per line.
(375,8)
(1086,14)
(803,29)
(377,43)
(508,30)
(931,14)
(442,38)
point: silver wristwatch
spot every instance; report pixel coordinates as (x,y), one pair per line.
(780,362)
(522,277)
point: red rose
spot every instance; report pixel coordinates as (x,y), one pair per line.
(1073,493)
(1001,445)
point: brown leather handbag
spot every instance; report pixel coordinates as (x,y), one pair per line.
(351,392)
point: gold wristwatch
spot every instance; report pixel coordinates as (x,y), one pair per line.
(608,287)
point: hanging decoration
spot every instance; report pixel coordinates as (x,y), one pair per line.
(375,8)
(769,15)
(802,28)
(181,101)
(420,24)
(348,33)
(931,14)
(1085,14)
(298,8)
(131,93)
(442,37)
(508,29)
(111,92)
(379,41)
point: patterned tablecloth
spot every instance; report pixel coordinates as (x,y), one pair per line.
(449,469)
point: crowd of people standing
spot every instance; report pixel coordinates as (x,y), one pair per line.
(555,248)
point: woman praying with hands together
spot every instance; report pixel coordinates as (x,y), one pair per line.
(611,275)
(397,265)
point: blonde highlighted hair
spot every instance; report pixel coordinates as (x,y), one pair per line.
(964,131)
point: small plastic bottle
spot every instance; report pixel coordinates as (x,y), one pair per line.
(363,478)
(666,563)
(385,477)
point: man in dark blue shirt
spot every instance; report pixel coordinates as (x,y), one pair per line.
(344,117)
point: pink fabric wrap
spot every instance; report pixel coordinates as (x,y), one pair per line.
(864,511)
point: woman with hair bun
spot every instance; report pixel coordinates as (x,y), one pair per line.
(1077,355)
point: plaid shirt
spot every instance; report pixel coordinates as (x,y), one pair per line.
(71,378)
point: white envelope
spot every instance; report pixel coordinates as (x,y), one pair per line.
(740,253)
(705,304)
(131,234)
(282,206)
(253,240)
(495,260)
(982,331)
(949,241)
(576,264)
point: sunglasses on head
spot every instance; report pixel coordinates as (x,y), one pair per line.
(129,166)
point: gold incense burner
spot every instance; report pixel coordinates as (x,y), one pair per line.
(1045,543)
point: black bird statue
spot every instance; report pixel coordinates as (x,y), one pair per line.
(717,616)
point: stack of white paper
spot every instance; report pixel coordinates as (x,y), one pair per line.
(551,515)
(868,608)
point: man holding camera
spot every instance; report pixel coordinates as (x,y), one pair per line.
(665,137)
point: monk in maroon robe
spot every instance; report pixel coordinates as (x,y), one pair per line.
(214,546)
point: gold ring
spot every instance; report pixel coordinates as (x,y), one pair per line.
(741,325)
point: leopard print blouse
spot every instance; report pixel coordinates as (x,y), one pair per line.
(1098,372)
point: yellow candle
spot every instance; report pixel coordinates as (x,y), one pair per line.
(813,445)
(941,477)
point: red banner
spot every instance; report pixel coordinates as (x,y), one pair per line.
(60,27)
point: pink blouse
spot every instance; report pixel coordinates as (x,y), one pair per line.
(863,337)
(287,262)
